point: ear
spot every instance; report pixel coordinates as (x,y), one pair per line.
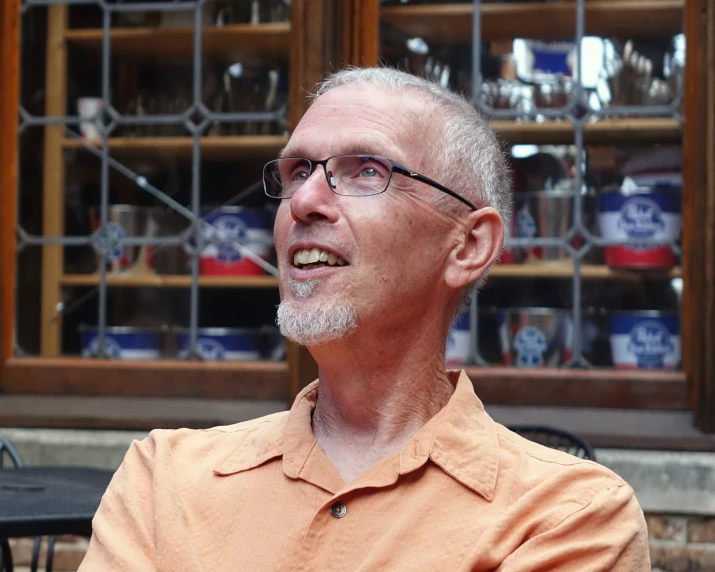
(481,244)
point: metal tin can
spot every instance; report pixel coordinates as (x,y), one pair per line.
(645,340)
(126,343)
(652,214)
(249,227)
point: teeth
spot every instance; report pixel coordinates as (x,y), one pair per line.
(311,256)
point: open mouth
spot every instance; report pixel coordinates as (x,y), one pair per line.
(309,258)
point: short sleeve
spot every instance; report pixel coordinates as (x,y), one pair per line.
(607,534)
(123,535)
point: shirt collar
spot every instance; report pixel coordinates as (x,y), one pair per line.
(461,439)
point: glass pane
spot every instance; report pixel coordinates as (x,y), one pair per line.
(145,233)
(587,100)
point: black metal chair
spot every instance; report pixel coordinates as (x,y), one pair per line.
(8,451)
(556,439)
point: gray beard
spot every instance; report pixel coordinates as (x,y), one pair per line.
(311,323)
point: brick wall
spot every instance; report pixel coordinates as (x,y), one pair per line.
(681,543)
(677,544)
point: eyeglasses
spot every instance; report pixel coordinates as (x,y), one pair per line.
(348,175)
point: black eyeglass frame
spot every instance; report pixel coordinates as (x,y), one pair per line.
(396,168)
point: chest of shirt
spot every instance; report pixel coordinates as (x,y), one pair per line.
(262,520)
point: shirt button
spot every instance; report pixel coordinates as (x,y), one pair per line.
(338,510)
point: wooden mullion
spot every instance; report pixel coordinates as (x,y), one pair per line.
(53,194)
(699,213)
(9,104)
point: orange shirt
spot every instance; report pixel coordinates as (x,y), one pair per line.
(464,494)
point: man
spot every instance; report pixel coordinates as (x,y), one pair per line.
(393,194)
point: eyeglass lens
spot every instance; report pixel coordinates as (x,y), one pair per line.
(356,175)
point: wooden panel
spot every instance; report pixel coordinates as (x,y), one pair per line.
(361,43)
(53,193)
(615,131)
(699,213)
(212,148)
(9,95)
(580,388)
(442,23)
(75,376)
(128,280)
(138,413)
(228,42)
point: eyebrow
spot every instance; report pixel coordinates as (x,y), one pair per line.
(351,148)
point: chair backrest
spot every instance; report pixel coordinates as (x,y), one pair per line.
(556,439)
(7,451)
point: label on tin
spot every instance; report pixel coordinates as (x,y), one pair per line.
(114,348)
(650,343)
(210,349)
(641,218)
(530,344)
(645,343)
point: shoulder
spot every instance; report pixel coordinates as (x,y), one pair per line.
(210,445)
(528,466)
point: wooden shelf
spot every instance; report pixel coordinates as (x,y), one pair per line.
(212,148)
(169,281)
(627,130)
(227,42)
(556,269)
(452,23)
(565,269)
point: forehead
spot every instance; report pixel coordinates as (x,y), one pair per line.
(364,119)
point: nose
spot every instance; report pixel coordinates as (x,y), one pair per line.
(314,200)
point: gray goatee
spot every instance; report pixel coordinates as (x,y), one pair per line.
(314,322)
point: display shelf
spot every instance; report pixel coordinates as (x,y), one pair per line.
(452,23)
(226,42)
(565,269)
(169,281)
(615,131)
(212,148)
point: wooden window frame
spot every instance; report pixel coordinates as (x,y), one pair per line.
(314,30)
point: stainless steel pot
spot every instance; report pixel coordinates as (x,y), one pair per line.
(535,337)
(542,214)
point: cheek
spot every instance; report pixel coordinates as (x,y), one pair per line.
(282,226)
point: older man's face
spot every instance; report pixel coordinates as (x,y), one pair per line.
(393,245)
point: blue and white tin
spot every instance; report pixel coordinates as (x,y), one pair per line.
(648,214)
(222,344)
(645,340)
(459,341)
(124,343)
(251,228)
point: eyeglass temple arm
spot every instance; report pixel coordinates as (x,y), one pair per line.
(404,171)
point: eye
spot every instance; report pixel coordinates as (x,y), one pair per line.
(299,176)
(369,172)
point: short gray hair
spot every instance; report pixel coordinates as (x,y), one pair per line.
(471,161)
